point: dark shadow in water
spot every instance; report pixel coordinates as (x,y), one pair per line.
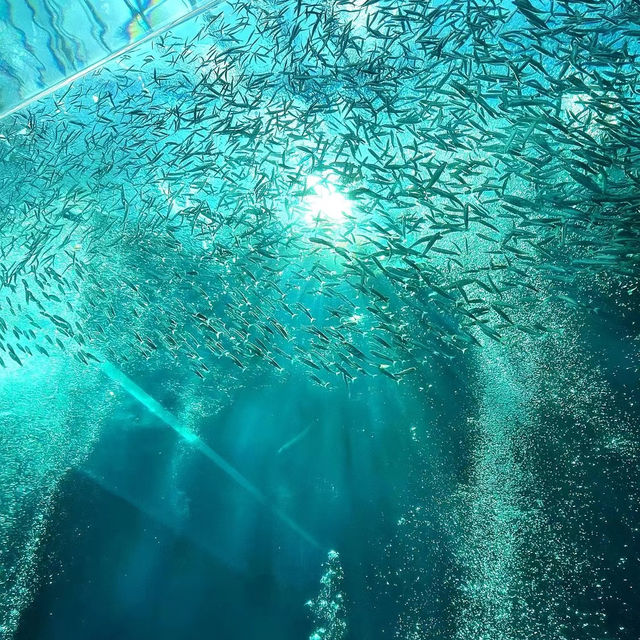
(151,540)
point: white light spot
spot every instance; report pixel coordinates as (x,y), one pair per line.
(325,203)
(575,104)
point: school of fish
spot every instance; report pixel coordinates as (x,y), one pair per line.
(340,189)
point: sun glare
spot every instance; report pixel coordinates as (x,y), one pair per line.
(325,203)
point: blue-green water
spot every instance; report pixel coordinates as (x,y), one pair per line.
(320,320)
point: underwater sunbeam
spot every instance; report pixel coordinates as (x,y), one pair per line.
(170,420)
(325,203)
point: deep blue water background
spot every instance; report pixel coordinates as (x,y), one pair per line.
(127,560)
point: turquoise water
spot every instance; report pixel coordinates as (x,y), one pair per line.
(320,320)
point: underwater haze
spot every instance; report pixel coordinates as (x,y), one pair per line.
(320,319)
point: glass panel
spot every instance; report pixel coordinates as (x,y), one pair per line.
(45,42)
